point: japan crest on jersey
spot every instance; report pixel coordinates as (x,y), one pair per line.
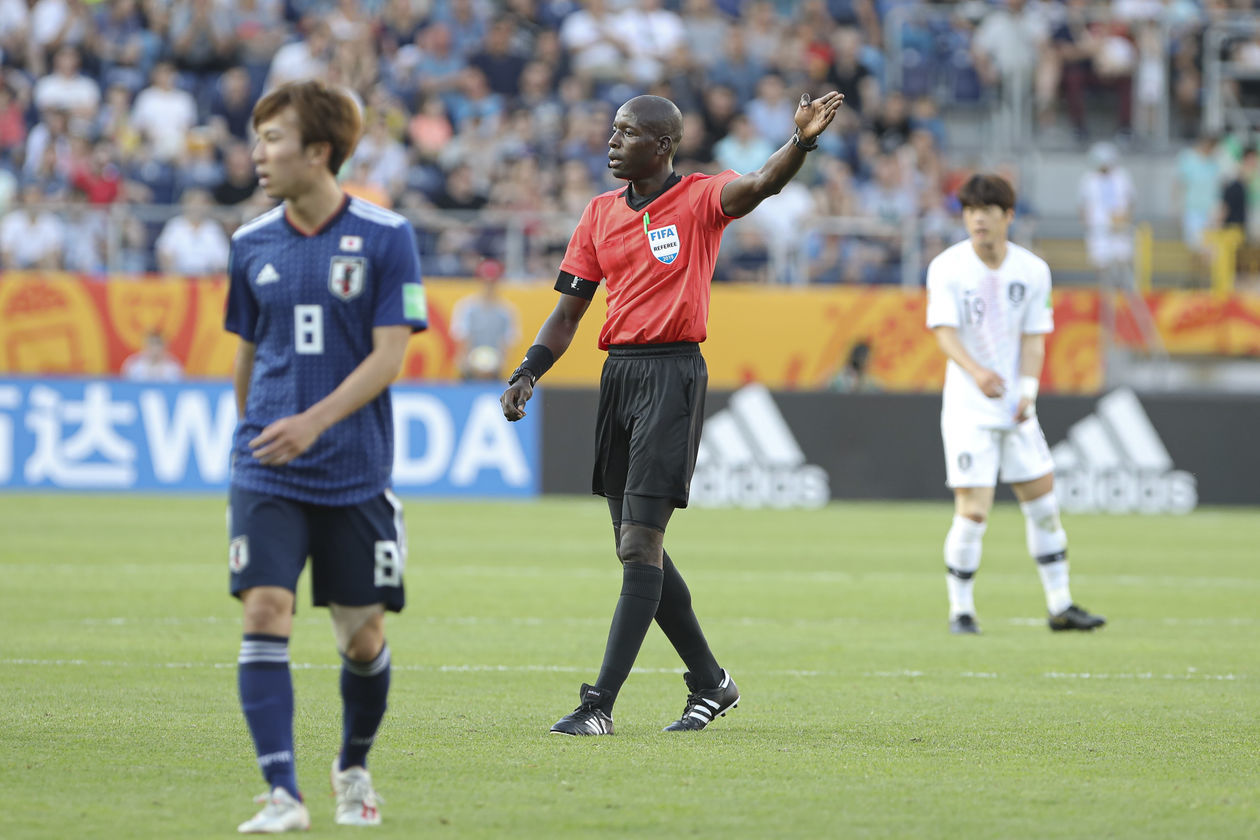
(665,243)
(346,277)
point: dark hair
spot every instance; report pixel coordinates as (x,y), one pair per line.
(324,113)
(986,191)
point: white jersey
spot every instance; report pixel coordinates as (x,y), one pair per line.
(992,310)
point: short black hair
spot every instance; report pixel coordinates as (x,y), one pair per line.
(987,190)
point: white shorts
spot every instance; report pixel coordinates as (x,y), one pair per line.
(1107,249)
(975,455)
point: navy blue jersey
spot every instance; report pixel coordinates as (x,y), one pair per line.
(309,304)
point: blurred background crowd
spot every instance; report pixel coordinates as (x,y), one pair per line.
(125,132)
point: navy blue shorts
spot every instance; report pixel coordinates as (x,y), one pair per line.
(357,552)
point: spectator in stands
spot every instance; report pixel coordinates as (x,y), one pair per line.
(135,254)
(67,89)
(848,73)
(428,66)
(654,39)
(743,149)
(1236,197)
(1196,189)
(163,114)
(199,168)
(599,49)
(239,182)
(1007,49)
(383,156)
(771,111)
(113,123)
(466,23)
(14,25)
(31,234)
(153,362)
(259,31)
(85,233)
(706,29)
(498,59)
(460,191)
(192,243)
(12,124)
(54,24)
(1236,213)
(231,103)
(51,135)
(1106,203)
(122,46)
(738,70)
(97,175)
(202,41)
(305,58)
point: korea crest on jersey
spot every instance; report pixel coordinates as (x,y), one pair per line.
(665,243)
(347,276)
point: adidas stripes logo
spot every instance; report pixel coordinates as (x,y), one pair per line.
(1114,461)
(750,458)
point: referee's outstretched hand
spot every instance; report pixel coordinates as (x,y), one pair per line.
(515,397)
(814,115)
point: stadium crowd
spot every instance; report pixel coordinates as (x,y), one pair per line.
(504,108)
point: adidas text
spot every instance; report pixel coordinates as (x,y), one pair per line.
(1114,461)
(750,458)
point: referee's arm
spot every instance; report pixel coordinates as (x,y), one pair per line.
(554,337)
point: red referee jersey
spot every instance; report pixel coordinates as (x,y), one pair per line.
(658,261)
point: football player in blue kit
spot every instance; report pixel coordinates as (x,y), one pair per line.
(325,291)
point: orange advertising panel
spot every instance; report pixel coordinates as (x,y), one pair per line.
(787,338)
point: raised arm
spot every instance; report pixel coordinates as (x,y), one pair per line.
(742,195)
(554,337)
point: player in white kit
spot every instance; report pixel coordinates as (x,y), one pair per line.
(989,306)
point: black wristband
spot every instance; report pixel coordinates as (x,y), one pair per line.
(538,360)
(803,146)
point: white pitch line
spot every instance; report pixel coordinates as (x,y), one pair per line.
(567,621)
(1191,674)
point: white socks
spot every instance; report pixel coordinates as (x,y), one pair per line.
(962,559)
(1047,543)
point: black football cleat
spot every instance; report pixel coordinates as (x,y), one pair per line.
(588,718)
(964,624)
(1075,618)
(704,704)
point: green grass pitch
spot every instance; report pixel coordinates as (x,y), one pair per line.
(861,716)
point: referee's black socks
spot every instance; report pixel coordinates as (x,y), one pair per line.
(679,623)
(640,596)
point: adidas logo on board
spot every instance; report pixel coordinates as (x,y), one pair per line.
(750,458)
(1114,461)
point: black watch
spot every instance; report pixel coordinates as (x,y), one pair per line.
(804,147)
(518,373)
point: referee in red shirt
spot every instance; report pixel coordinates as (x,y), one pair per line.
(655,243)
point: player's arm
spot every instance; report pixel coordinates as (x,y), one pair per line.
(1032,355)
(742,195)
(242,371)
(989,381)
(289,437)
(554,337)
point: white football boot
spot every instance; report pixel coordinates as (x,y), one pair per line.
(356,800)
(280,813)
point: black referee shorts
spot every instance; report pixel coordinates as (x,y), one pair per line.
(651,409)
